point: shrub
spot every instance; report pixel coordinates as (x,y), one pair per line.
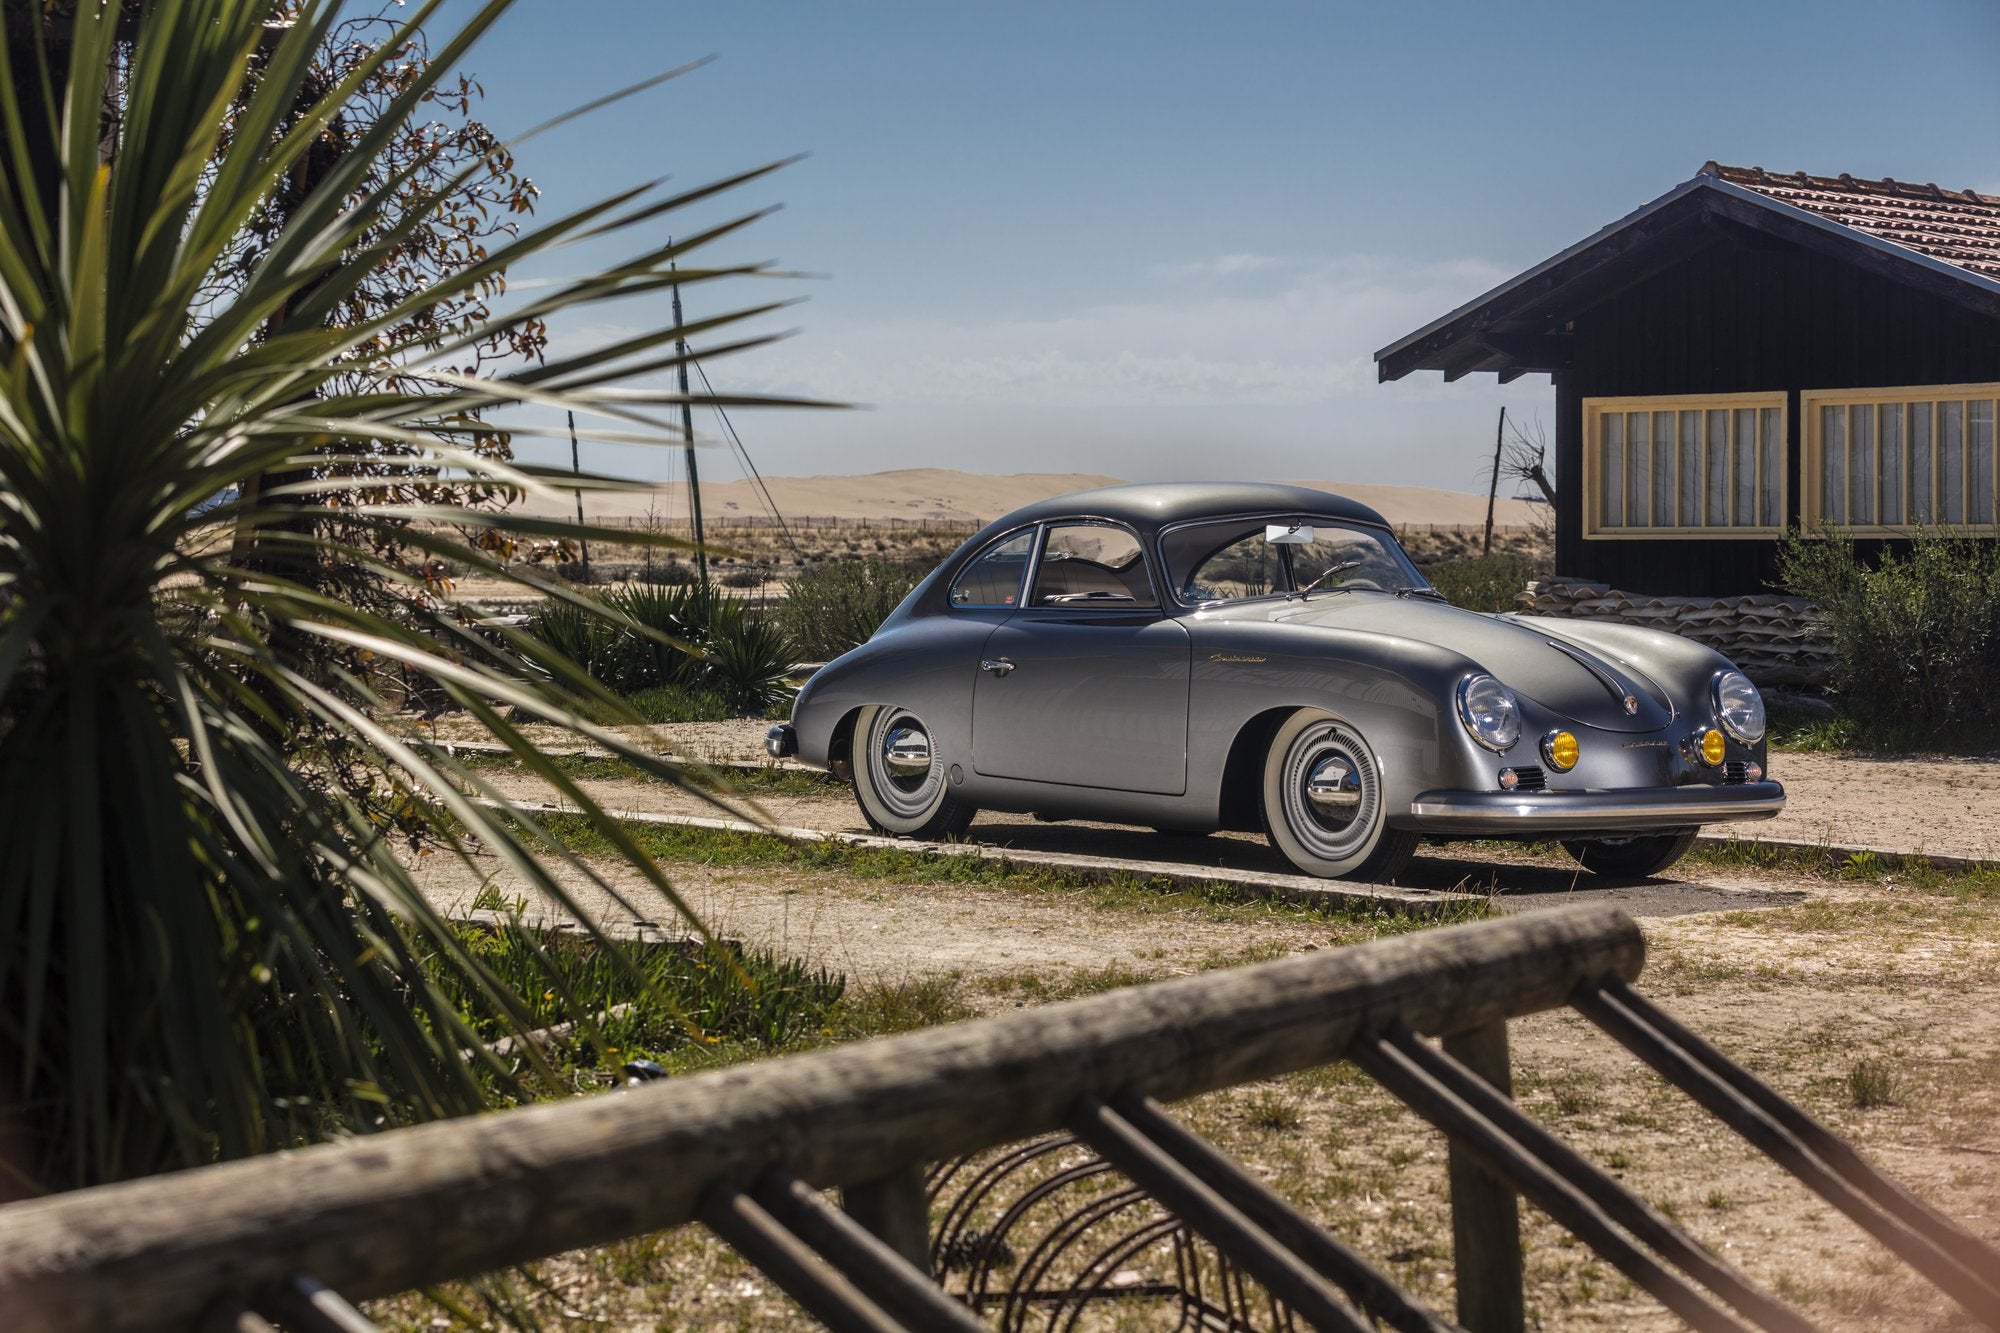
(838,605)
(1914,634)
(1483,582)
(689,640)
(673,573)
(744,578)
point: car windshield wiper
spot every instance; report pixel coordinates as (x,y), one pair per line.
(1325,574)
(1432,593)
(1099,595)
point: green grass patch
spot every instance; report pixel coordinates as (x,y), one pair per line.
(678,844)
(654,1000)
(763,781)
(1915,871)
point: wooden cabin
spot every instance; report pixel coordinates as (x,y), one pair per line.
(1747,352)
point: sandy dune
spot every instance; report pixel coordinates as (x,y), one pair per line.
(939,494)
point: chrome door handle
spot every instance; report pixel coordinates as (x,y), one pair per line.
(999,666)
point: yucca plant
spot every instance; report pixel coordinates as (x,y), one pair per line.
(210,942)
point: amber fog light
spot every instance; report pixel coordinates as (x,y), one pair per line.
(1711,747)
(1560,749)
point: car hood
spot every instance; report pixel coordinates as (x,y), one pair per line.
(1566,678)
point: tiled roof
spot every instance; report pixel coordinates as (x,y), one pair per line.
(1960,227)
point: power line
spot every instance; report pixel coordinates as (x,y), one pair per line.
(756,478)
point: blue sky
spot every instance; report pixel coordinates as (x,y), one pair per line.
(1164,239)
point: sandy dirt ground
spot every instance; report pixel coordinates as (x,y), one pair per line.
(1803,979)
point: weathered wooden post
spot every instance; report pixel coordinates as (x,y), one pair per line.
(1485,1214)
(897,1209)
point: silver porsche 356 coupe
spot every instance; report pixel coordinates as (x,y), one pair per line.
(1197,657)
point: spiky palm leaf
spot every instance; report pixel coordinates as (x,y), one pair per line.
(208,942)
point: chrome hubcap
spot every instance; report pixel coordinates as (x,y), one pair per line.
(1334,788)
(906,752)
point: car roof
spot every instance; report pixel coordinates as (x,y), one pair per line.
(1152,505)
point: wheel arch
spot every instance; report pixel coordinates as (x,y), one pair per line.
(1239,804)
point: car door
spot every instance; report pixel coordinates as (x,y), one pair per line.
(1087,684)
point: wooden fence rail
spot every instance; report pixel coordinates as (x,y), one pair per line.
(749,1150)
(435,1202)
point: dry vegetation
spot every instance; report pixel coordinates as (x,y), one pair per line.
(1869,998)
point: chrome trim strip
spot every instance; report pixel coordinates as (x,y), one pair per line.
(1633,808)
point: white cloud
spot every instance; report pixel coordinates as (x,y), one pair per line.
(1220,268)
(1309,340)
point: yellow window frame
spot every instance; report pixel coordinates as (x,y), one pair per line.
(1812,507)
(1595,409)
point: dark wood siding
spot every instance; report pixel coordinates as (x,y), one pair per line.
(1745,316)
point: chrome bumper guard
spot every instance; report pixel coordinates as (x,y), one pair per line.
(781,741)
(1631,809)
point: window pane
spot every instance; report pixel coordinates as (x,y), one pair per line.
(1090,564)
(1979,461)
(1833,463)
(1611,479)
(1715,471)
(1771,456)
(1889,425)
(1923,485)
(1663,469)
(1951,462)
(1746,467)
(1861,469)
(1689,515)
(994,576)
(1638,426)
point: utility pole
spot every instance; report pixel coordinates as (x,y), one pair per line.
(1492,485)
(687,431)
(576,466)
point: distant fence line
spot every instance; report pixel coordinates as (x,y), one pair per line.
(836,523)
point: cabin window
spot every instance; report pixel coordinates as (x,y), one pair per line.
(1882,460)
(1092,565)
(1685,466)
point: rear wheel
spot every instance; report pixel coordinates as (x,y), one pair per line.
(899,777)
(1324,809)
(1631,858)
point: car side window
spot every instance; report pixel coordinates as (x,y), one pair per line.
(993,577)
(1090,564)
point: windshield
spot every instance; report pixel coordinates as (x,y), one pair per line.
(1239,558)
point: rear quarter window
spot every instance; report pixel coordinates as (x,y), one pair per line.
(993,577)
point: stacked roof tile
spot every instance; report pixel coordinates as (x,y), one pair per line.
(1960,227)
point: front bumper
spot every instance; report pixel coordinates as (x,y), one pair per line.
(781,741)
(1627,810)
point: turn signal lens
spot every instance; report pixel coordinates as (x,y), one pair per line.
(1560,749)
(1711,747)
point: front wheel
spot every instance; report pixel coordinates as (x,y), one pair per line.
(899,778)
(1631,858)
(1324,810)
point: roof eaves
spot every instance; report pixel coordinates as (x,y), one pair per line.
(1638,214)
(1704,180)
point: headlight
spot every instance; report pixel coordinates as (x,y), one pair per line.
(1489,711)
(1738,706)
